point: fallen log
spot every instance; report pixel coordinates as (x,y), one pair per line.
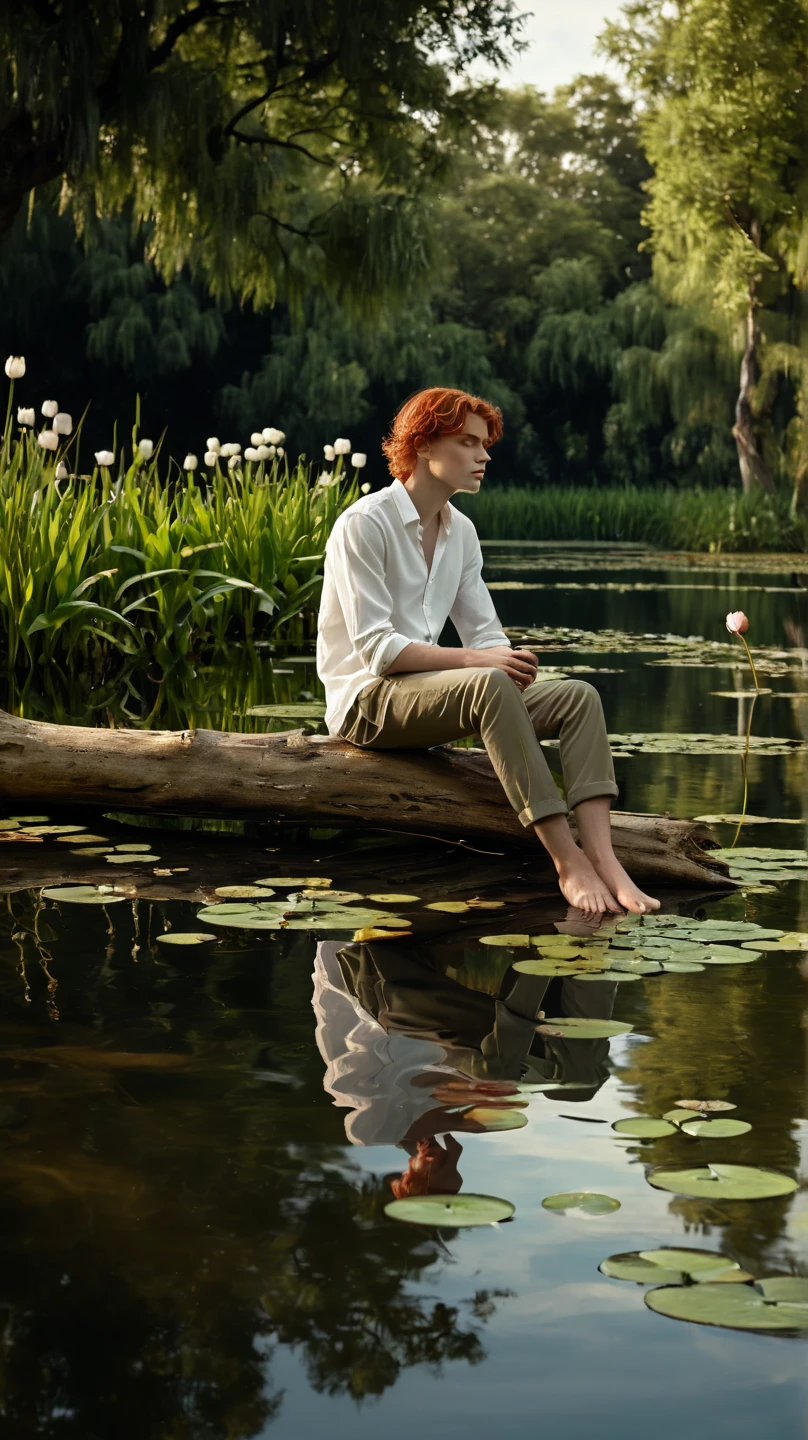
(298,777)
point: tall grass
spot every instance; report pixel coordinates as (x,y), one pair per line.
(155,569)
(710,520)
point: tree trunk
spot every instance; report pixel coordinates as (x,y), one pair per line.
(309,779)
(755,473)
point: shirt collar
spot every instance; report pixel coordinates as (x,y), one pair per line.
(407,510)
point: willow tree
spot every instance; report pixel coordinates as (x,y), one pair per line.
(273,145)
(725,91)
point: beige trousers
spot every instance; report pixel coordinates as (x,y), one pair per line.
(416,709)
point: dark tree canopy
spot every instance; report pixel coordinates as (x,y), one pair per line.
(274,145)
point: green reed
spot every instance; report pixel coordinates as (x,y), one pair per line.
(694,519)
(155,568)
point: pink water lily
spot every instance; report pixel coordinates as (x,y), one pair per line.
(737,623)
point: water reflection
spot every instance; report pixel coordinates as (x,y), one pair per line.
(412,1054)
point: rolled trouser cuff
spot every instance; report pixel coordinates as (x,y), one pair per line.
(531,813)
(591,790)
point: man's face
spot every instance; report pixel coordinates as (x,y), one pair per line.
(459,460)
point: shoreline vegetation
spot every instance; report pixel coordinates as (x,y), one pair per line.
(695,519)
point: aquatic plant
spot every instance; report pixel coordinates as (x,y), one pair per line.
(125,561)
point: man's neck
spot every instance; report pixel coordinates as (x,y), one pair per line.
(428,495)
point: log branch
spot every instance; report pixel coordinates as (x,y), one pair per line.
(311,779)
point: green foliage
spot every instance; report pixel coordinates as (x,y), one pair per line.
(691,519)
(154,569)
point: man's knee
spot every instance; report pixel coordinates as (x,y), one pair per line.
(583,696)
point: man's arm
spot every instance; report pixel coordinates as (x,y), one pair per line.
(356,550)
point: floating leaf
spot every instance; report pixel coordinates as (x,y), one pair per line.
(457,1211)
(610,977)
(55,829)
(690,1261)
(242,892)
(134,847)
(30,820)
(629,1266)
(644,1127)
(678,1117)
(706,1107)
(506,941)
(787,1289)
(132,859)
(723,1182)
(243,917)
(497,1118)
(303,710)
(452,907)
(716,1129)
(394,899)
(681,967)
(587,1201)
(92,850)
(84,839)
(286,882)
(789,940)
(372,932)
(185,937)
(737,1307)
(574,1027)
(84,894)
(331,897)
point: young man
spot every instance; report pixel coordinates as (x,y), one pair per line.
(398,562)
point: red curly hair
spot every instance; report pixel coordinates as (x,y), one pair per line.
(427,416)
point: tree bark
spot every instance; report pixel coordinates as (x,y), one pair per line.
(310,779)
(755,472)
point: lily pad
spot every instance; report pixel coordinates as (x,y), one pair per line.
(715,1129)
(394,899)
(93,850)
(737,1307)
(681,967)
(644,1127)
(689,1261)
(706,1107)
(303,710)
(574,1027)
(678,1117)
(456,1211)
(788,1289)
(723,1182)
(134,847)
(83,894)
(331,897)
(287,882)
(589,1202)
(451,907)
(608,977)
(132,859)
(54,829)
(83,839)
(185,937)
(788,940)
(506,941)
(242,892)
(30,819)
(243,917)
(497,1118)
(374,932)
(629,1266)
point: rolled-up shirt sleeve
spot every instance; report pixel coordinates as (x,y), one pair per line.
(473,614)
(358,549)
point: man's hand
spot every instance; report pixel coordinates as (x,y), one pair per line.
(521,665)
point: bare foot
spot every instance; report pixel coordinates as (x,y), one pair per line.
(583,887)
(630,896)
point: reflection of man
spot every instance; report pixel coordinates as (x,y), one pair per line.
(408,1050)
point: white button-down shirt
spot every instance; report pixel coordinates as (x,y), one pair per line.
(378,595)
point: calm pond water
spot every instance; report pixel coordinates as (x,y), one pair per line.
(199,1143)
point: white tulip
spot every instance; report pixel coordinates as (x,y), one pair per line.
(251,453)
(359,461)
(25,417)
(326,479)
(212,443)
(211,456)
(190,462)
(365,488)
(342,447)
(50,408)
(280,451)
(272,451)
(273,436)
(61,471)
(62,423)
(328,451)
(265,452)
(256,438)
(145,449)
(234,462)
(234,448)
(49,440)
(15,367)
(104,457)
